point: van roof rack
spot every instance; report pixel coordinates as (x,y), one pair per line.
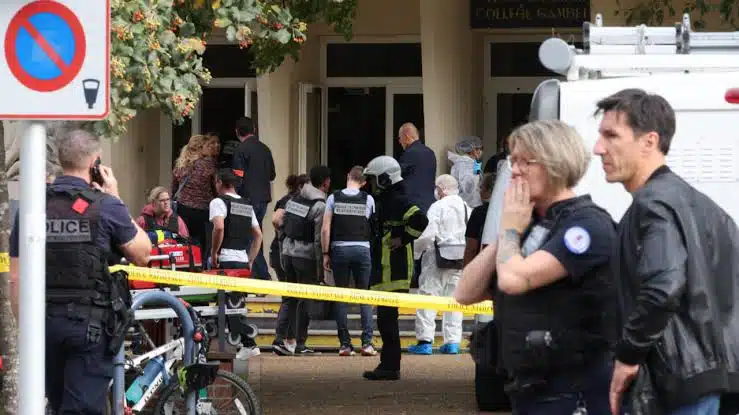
(641,50)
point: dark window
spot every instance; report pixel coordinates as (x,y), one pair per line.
(373,60)
(518,59)
(229,61)
(513,111)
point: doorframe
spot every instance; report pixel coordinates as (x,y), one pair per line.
(525,84)
(390,91)
(165,123)
(303,89)
(390,84)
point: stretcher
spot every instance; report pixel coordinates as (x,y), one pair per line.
(172,254)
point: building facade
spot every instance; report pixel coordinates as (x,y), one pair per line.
(452,67)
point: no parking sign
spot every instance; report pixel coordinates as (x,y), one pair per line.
(56,59)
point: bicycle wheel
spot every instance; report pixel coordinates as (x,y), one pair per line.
(241,398)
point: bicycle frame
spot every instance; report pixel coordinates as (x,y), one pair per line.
(188,358)
(175,345)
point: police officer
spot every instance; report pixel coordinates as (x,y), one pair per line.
(553,293)
(345,239)
(84,225)
(399,223)
(301,254)
(235,232)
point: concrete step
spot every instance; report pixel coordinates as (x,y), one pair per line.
(327,340)
(405,322)
(271,304)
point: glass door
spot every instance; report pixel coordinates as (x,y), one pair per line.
(404,104)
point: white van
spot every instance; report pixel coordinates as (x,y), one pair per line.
(698,73)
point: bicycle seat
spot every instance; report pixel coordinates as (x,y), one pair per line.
(200,375)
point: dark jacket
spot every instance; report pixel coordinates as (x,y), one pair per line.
(418,166)
(679,290)
(253,161)
(396,217)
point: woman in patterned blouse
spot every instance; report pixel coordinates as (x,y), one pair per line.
(193,183)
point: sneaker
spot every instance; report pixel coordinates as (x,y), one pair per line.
(368,350)
(450,348)
(280,349)
(305,351)
(421,348)
(247,352)
(346,351)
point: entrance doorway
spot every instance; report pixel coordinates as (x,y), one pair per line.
(508,106)
(405,104)
(220,105)
(355,129)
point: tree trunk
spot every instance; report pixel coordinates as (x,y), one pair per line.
(8,327)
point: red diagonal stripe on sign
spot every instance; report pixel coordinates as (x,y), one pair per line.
(46,46)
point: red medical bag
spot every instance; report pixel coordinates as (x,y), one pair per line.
(187,257)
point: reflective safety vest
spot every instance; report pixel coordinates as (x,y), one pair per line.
(398,218)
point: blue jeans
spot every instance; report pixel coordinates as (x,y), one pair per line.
(560,396)
(708,405)
(356,261)
(260,264)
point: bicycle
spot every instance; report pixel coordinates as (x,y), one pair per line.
(194,374)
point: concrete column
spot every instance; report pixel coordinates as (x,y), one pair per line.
(274,92)
(446,42)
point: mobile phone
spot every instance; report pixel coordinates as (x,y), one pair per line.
(95,173)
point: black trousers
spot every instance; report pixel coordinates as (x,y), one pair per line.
(387,324)
(301,271)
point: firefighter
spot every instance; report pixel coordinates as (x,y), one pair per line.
(398,223)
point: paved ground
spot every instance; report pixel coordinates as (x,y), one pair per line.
(332,385)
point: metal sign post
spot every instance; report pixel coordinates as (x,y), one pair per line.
(55,66)
(32,257)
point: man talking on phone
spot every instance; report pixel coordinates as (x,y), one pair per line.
(87,224)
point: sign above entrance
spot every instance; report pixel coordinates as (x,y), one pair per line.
(510,14)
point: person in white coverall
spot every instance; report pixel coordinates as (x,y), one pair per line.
(467,168)
(441,249)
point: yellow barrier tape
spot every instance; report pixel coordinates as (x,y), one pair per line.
(315,292)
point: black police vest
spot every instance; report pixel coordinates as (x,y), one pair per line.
(173,224)
(76,268)
(237,225)
(561,327)
(349,222)
(296,223)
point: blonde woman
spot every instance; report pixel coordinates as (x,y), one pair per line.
(193,183)
(549,277)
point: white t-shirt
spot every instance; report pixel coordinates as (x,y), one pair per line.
(218,208)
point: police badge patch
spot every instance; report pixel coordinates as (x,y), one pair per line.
(577,240)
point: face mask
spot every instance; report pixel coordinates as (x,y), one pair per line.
(477,167)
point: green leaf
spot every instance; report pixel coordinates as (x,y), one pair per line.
(187,29)
(283,36)
(167,37)
(231,33)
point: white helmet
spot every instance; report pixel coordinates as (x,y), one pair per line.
(386,169)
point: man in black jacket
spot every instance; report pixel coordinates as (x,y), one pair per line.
(253,162)
(677,269)
(418,167)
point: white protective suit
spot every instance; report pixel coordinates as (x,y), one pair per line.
(447,224)
(463,167)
